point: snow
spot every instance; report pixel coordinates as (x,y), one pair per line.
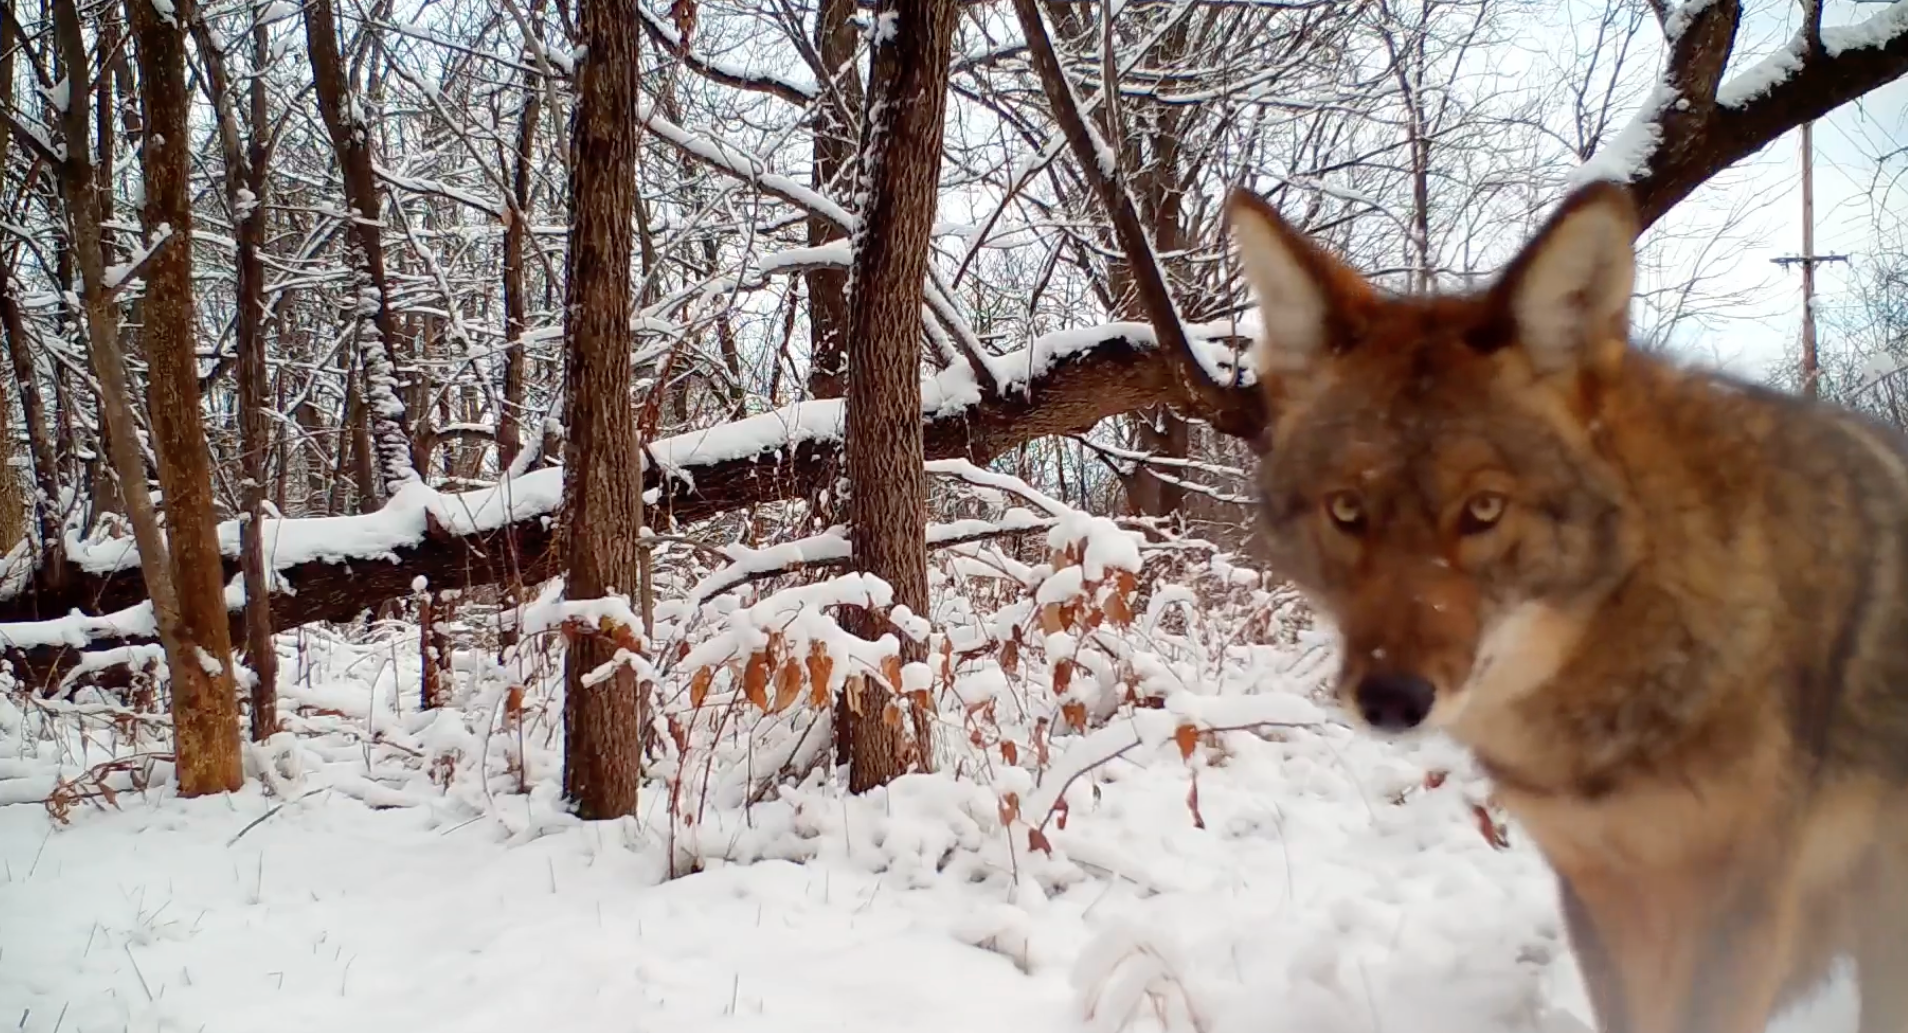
(1627,155)
(389,868)
(118,273)
(276,11)
(1873,32)
(1758,79)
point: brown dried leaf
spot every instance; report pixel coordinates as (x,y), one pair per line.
(1009,808)
(788,684)
(755,679)
(1008,751)
(1118,610)
(821,666)
(1076,714)
(1051,619)
(1037,840)
(891,715)
(891,671)
(1062,676)
(682,14)
(1010,657)
(699,686)
(1188,738)
(1494,834)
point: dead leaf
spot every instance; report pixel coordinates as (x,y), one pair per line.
(788,684)
(1051,619)
(682,14)
(699,686)
(755,679)
(1187,737)
(1037,840)
(1494,834)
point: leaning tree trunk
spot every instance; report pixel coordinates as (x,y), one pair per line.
(344,120)
(602,718)
(900,170)
(199,648)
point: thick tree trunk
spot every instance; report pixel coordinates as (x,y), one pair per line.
(204,700)
(834,147)
(602,718)
(900,170)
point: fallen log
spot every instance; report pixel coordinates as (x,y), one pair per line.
(336,568)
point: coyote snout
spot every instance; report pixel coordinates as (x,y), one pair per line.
(1393,702)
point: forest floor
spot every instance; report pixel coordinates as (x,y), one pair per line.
(1321,881)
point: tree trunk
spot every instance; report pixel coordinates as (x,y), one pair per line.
(181,566)
(900,176)
(516,233)
(602,481)
(245,182)
(834,148)
(350,139)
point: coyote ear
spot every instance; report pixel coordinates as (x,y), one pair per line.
(1304,294)
(1568,293)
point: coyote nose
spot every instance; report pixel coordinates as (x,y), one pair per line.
(1394,702)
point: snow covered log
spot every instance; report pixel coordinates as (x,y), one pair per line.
(335,568)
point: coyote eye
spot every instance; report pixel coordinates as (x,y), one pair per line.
(1482,512)
(1345,510)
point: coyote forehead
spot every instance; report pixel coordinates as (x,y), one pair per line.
(1433,480)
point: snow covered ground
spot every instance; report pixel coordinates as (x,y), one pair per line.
(1338,883)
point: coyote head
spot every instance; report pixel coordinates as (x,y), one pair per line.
(1434,478)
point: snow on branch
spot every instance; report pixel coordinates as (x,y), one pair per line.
(744,165)
(727,73)
(1238,414)
(1695,123)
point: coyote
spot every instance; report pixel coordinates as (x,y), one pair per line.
(1665,610)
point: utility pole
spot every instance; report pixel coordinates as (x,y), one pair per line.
(1808,259)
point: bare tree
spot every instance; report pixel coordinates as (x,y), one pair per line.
(602,709)
(901,138)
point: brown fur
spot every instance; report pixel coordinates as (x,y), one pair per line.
(1681,650)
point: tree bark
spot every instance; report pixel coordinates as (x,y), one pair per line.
(900,177)
(602,718)
(834,156)
(204,699)
(516,233)
(350,139)
(245,182)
